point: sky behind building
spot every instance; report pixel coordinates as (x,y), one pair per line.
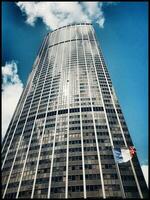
(122,30)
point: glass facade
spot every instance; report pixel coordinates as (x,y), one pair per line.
(59,142)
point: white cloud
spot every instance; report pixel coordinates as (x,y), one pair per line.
(57,14)
(11,90)
(94,10)
(145,172)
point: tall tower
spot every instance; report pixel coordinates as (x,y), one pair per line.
(60,141)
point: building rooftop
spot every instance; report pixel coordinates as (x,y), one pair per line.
(70,25)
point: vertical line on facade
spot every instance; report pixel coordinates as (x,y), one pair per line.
(46,55)
(26,90)
(111,140)
(119,123)
(98,153)
(82,145)
(52,159)
(68,102)
(20,139)
(33,188)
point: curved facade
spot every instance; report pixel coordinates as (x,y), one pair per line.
(59,142)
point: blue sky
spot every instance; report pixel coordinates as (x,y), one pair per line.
(124,43)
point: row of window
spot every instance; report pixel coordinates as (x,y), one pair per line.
(72,110)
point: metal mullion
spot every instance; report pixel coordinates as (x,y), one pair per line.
(52,159)
(32,128)
(33,188)
(46,55)
(139,190)
(98,153)
(106,117)
(19,143)
(82,145)
(67,154)
(27,89)
(111,140)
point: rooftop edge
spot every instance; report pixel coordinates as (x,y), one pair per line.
(69,25)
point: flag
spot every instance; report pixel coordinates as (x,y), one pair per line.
(124,154)
(132,151)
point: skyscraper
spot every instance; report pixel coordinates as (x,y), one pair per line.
(59,143)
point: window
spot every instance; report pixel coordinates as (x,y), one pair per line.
(91,157)
(74,158)
(62,111)
(93,187)
(74,110)
(75,149)
(42,180)
(86,109)
(58,190)
(51,113)
(75,142)
(11,195)
(41,116)
(92,176)
(27,182)
(12,185)
(44,161)
(88,166)
(110,110)
(98,108)
(57,178)
(75,188)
